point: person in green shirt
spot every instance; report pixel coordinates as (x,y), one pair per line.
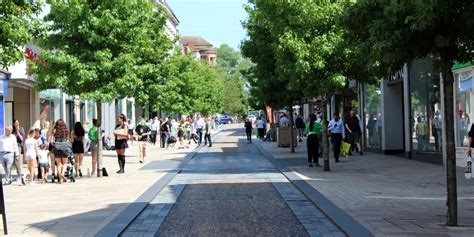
(94,137)
(312,142)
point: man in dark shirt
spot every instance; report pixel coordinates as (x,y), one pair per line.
(354,130)
(144,133)
(300,125)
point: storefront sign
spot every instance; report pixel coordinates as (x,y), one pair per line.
(396,77)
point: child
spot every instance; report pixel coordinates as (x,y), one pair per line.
(31,146)
(43,162)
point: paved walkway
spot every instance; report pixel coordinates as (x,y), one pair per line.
(391,196)
(231,190)
(85,207)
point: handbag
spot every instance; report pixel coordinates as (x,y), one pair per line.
(468,169)
(345,147)
(172,139)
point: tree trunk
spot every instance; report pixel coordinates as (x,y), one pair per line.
(450,155)
(292,147)
(99,145)
(325,134)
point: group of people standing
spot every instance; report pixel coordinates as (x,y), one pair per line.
(50,147)
(46,148)
(348,130)
(168,131)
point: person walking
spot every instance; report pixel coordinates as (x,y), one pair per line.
(300,125)
(154,130)
(77,137)
(19,133)
(121,133)
(31,152)
(207,130)
(336,127)
(143,132)
(94,137)
(353,127)
(181,133)
(62,148)
(248,130)
(43,162)
(313,129)
(131,128)
(8,152)
(199,127)
(191,131)
(421,132)
(437,128)
(260,128)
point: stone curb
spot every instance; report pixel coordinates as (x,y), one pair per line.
(343,220)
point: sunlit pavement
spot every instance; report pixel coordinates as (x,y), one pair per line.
(390,196)
(84,207)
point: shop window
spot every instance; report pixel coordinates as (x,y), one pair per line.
(463,113)
(373,116)
(426,120)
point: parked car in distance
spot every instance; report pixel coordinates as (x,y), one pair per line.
(225,119)
(252,118)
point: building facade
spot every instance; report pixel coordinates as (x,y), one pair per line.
(403,114)
(199,48)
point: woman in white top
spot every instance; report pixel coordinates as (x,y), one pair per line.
(31,151)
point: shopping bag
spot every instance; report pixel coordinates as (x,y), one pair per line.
(345,147)
(468,170)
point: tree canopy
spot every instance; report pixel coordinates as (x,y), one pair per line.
(186,86)
(102,50)
(19,23)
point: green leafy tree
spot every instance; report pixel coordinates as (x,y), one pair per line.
(228,58)
(19,23)
(231,63)
(393,33)
(309,49)
(185,86)
(101,50)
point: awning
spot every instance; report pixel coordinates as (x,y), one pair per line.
(22,83)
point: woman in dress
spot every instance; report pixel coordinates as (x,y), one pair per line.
(77,136)
(121,135)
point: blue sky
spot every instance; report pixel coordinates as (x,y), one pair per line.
(217,21)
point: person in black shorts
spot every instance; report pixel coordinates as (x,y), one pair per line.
(143,132)
(121,137)
(77,136)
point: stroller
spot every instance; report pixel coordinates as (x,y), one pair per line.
(70,169)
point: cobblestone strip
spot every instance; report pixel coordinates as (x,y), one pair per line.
(150,219)
(313,220)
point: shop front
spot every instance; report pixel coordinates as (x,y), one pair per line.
(402,114)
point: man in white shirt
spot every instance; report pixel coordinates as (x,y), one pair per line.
(199,125)
(336,127)
(8,152)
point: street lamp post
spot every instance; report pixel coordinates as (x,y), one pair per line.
(4,76)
